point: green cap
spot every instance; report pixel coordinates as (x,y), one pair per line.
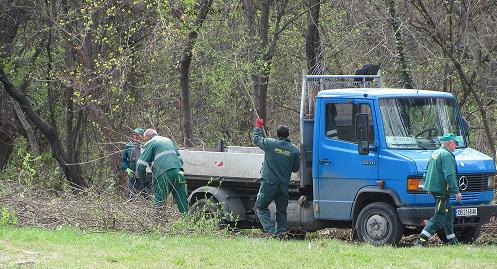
(448,137)
(139,131)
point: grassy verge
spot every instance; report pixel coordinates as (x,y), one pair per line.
(67,248)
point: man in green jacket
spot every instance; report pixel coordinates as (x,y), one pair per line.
(281,158)
(441,182)
(129,157)
(167,169)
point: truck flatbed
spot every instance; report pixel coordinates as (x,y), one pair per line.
(236,168)
(239,164)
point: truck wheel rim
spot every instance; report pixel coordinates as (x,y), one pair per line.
(377,227)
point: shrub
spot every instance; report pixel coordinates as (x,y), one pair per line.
(8,217)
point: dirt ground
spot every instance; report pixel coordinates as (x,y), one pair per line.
(104,210)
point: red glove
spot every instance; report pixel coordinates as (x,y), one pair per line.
(259,123)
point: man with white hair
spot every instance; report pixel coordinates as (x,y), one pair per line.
(167,169)
(441,182)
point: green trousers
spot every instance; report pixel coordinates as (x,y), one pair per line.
(443,219)
(172,181)
(278,193)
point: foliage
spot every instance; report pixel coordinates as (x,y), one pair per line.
(29,170)
(105,67)
(8,217)
(197,223)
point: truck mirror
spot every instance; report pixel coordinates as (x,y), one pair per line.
(362,124)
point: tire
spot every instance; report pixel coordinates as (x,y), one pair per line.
(465,235)
(468,235)
(379,224)
(208,208)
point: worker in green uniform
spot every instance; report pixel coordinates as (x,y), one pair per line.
(167,169)
(441,182)
(129,157)
(281,158)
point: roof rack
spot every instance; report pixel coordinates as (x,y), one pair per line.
(312,84)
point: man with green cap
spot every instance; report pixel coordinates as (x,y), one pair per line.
(281,158)
(129,158)
(167,169)
(441,182)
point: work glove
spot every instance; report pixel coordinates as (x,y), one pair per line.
(259,122)
(130,172)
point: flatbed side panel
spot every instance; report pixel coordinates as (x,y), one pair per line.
(224,164)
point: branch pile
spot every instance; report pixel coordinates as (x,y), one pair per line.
(89,210)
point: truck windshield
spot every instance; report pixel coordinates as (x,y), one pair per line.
(417,123)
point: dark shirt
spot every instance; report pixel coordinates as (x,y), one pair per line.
(281,158)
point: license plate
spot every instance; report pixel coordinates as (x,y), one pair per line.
(464,212)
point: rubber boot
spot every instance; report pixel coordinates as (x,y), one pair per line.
(421,240)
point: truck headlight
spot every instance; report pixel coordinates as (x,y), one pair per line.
(415,184)
(491,181)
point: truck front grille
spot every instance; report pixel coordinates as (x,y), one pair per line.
(472,182)
(467,196)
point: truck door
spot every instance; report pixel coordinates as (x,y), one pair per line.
(341,171)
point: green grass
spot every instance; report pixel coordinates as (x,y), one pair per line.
(67,248)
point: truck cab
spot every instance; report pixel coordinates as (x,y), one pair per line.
(370,147)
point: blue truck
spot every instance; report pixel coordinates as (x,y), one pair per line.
(364,150)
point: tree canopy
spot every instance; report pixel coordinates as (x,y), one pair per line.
(78,76)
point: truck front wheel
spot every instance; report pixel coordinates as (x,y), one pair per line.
(379,224)
(466,235)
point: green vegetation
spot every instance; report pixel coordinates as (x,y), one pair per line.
(68,248)
(91,71)
(7,217)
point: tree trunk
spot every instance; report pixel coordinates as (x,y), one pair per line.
(315,63)
(12,16)
(7,138)
(260,94)
(405,73)
(30,134)
(71,171)
(184,70)
(184,79)
(263,46)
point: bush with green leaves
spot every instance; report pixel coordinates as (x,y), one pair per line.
(203,221)
(28,169)
(8,217)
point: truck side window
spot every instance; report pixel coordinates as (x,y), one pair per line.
(340,121)
(365,108)
(331,113)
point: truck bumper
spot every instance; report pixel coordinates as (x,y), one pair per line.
(415,216)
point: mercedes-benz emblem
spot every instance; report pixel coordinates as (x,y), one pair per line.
(463,183)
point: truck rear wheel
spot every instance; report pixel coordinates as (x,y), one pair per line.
(379,224)
(208,208)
